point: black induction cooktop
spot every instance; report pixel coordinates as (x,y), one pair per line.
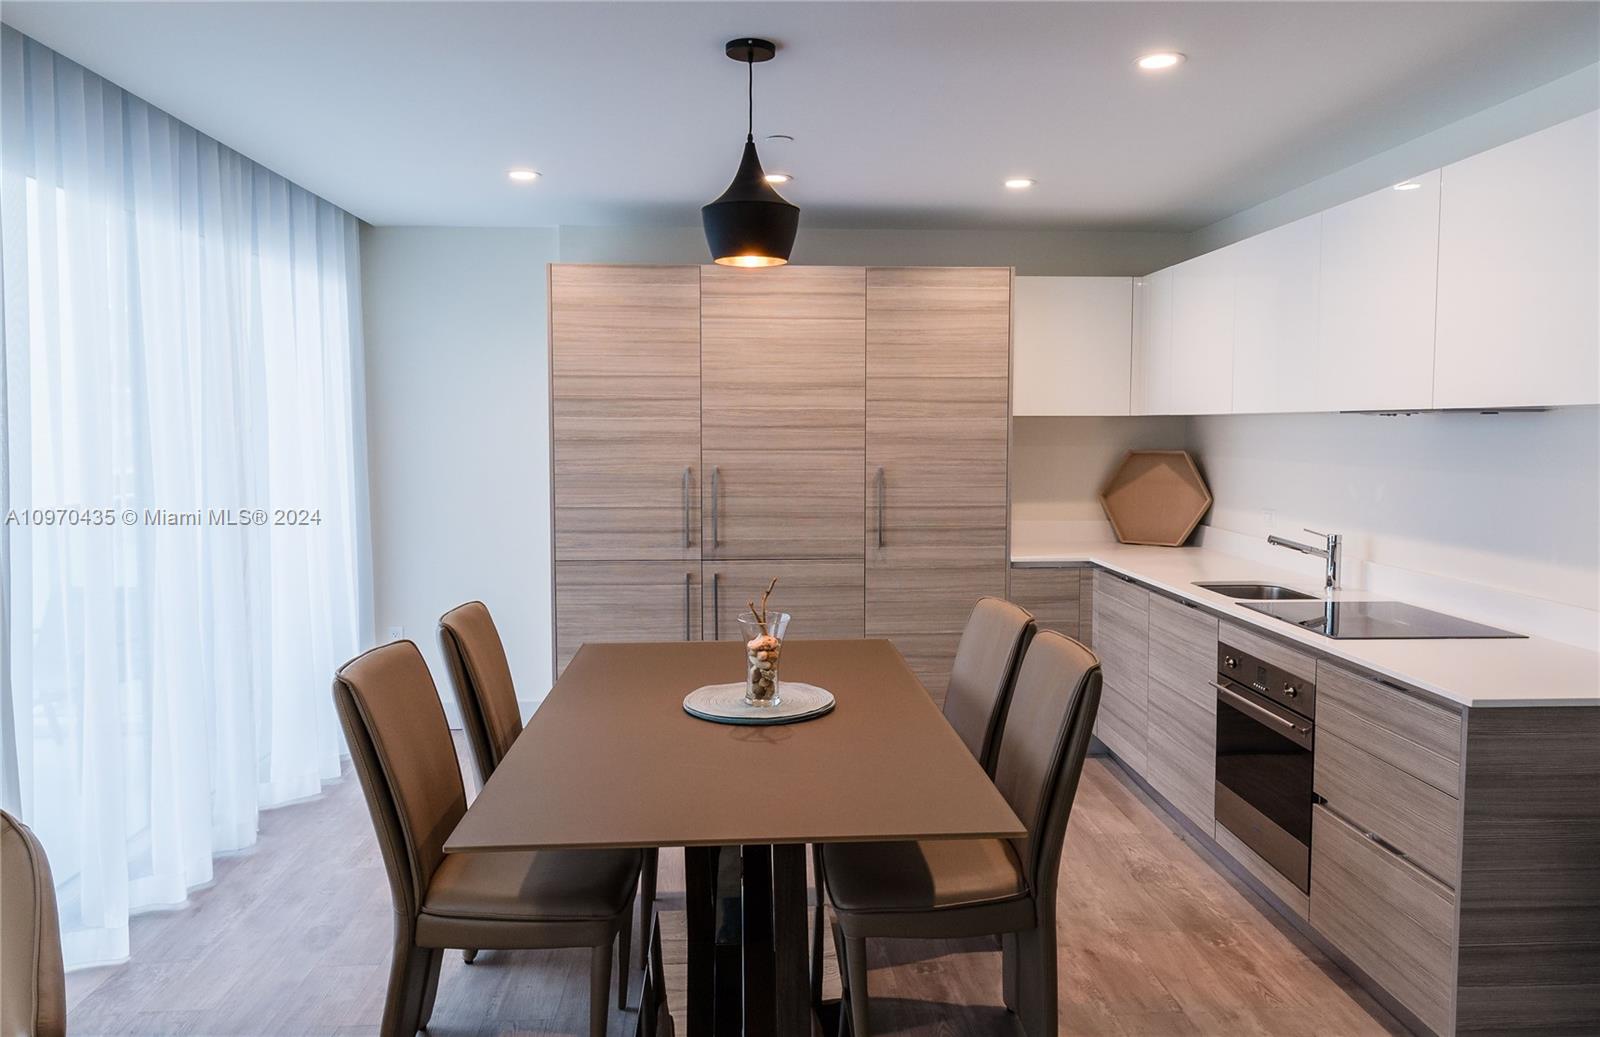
(1372,620)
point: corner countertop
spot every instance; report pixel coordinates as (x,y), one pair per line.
(1475,673)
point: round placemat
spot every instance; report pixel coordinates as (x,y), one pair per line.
(724,704)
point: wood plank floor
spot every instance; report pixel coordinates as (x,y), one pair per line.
(292,938)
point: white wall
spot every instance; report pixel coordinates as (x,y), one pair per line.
(1507,502)
(458,424)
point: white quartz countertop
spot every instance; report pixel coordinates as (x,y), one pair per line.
(1481,672)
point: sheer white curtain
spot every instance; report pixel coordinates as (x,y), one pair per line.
(182,339)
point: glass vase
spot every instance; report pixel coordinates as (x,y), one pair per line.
(763,645)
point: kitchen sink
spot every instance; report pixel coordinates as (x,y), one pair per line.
(1256,592)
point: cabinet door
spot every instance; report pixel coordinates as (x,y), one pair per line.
(1073,345)
(1380,267)
(825,597)
(1519,258)
(625,411)
(1182,727)
(1152,344)
(1199,374)
(1275,362)
(938,386)
(783,411)
(1122,641)
(1054,597)
(624,601)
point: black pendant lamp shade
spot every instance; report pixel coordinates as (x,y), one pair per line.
(750,224)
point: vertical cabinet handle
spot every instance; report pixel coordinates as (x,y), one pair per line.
(686,541)
(688,579)
(880,505)
(716,606)
(716,491)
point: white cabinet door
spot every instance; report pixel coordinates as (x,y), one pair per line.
(1199,371)
(1380,263)
(1519,262)
(1152,343)
(1276,282)
(1072,339)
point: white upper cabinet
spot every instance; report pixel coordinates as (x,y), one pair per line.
(1199,370)
(1072,342)
(1276,286)
(1380,264)
(1152,343)
(1519,266)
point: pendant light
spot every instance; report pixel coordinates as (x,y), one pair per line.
(750,224)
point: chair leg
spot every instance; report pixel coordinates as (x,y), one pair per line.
(647,900)
(816,925)
(855,962)
(624,959)
(469,956)
(599,989)
(431,989)
(1008,971)
(1030,972)
(408,983)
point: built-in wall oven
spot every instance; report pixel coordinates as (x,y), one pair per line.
(1265,732)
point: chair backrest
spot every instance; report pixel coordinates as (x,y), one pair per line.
(991,649)
(400,745)
(33,986)
(1042,748)
(482,680)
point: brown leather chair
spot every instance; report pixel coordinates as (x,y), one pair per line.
(973,887)
(33,986)
(990,651)
(401,747)
(487,696)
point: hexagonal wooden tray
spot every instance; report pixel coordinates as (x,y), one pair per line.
(1155,497)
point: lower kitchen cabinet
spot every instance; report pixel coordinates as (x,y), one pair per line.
(1122,641)
(1181,729)
(625,601)
(1053,595)
(825,598)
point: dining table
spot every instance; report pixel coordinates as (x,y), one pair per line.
(611,759)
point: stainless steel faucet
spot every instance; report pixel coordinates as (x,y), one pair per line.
(1329,551)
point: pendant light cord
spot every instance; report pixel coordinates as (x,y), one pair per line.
(750,100)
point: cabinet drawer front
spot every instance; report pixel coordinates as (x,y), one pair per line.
(1181,747)
(1392,921)
(1183,650)
(1403,731)
(1298,663)
(1116,589)
(1418,819)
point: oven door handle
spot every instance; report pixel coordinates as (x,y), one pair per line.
(1259,712)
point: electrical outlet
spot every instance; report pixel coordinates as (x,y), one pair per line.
(396,633)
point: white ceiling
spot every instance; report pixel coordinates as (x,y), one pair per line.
(904,114)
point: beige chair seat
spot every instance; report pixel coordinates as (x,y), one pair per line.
(922,876)
(555,885)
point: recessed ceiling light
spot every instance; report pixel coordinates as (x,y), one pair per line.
(779,178)
(1161,60)
(1020,183)
(1409,185)
(523,176)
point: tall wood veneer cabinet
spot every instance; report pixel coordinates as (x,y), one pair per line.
(938,436)
(713,428)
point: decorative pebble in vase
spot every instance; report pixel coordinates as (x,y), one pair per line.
(763,634)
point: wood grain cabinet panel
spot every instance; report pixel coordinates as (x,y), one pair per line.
(1408,813)
(624,601)
(1053,595)
(1393,921)
(824,597)
(1122,642)
(937,428)
(783,412)
(1398,728)
(1181,729)
(625,411)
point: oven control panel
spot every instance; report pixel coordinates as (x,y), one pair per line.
(1260,676)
